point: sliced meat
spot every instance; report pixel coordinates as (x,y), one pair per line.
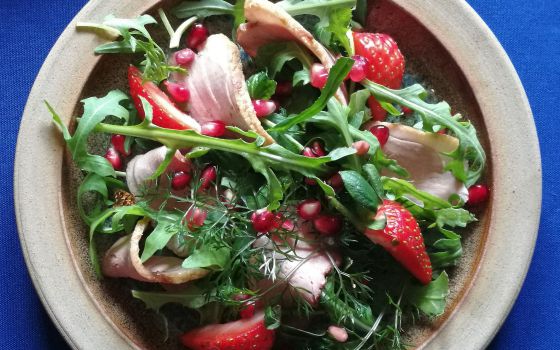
(303,263)
(218,89)
(267,22)
(123,260)
(421,153)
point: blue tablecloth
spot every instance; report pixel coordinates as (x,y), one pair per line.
(530,33)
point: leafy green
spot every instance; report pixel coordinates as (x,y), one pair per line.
(167,226)
(436,115)
(360,189)
(301,77)
(339,25)
(260,86)
(203,8)
(337,75)
(95,111)
(449,250)
(374,179)
(274,56)
(430,299)
(208,257)
(191,297)
(273,317)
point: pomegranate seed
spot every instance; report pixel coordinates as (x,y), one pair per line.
(215,128)
(309,209)
(318,149)
(248,310)
(335,181)
(442,131)
(184,57)
(195,218)
(264,108)
(197,36)
(288,225)
(328,224)
(283,88)
(207,177)
(228,198)
(478,194)
(177,91)
(308,152)
(406,110)
(310,182)
(362,147)
(381,132)
(358,71)
(338,333)
(319,75)
(263,220)
(180,180)
(113,157)
(118,143)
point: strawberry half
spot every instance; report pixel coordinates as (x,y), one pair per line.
(165,113)
(250,333)
(385,64)
(402,238)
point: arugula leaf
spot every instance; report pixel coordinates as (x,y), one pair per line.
(449,250)
(301,77)
(430,299)
(436,115)
(360,190)
(93,183)
(337,75)
(167,226)
(95,111)
(339,25)
(374,179)
(208,257)
(273,317)
(191,297)
(274,56)
(260,86)
(204,8)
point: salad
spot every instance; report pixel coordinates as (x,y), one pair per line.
(275,176)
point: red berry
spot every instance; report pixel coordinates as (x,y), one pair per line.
(328,224)
(197,36)
(288,225)
(309,209)
(118,143)
(207,176)
(113,157)
(478,194)
(381,132)
(358,71)
(310,182)
(184,57)
(177,91)
(263,220)
(318,149)
(406,110)
(248,310)
(215,128)
(319,75)
(378,113)
(335,181)
(180,180)
(308,152)
(283,88)
(362,147)
(195,218)
(264,108)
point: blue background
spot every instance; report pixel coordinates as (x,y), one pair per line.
(528,30)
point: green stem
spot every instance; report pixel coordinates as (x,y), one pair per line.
(289,137)
(346,212)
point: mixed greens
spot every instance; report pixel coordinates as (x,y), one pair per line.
(294,213)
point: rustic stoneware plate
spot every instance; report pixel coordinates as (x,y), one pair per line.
(445,42)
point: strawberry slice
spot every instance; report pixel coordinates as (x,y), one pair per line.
(250,333)
(402,238)
(165,113)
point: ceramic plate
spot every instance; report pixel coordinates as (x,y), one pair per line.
(445,42)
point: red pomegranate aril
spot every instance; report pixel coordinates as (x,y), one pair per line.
(319,75)
(309,209)
(283,88)
(248,310)
(207,176)
(197,36)
(328,224)
(310,182)
(263,220)
(308,152)
(381,132)
(177,91)
(184,57)
(362,147)
(264,108)
(318,149)
(113,157)
(195,218)
(478,194)
(288,225)
(358,71)
(335,181)
(180,180)
(406,110)
(215,128)
(118,143)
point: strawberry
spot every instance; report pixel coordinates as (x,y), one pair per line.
(165,113)
(385,64)
(249,333)
(402,238)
